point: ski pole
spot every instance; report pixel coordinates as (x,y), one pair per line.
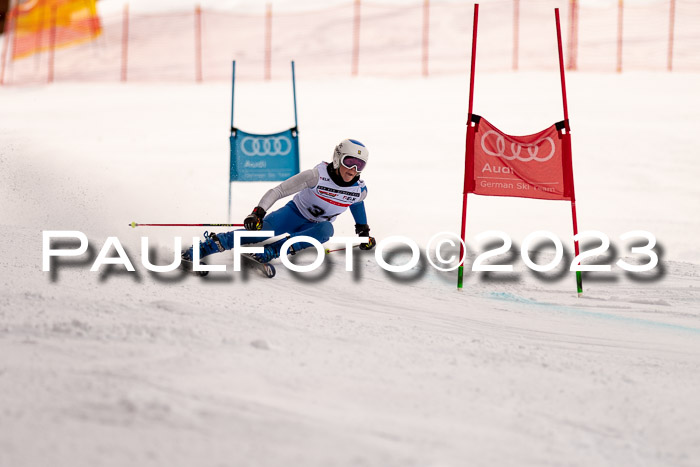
(134,225)
(339,249)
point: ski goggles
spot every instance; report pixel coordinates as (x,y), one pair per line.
(349,162)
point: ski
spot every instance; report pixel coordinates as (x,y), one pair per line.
(265,268)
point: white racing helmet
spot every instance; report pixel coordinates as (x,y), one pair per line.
(350,153)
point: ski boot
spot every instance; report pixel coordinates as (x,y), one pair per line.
(209,246)
(272,251)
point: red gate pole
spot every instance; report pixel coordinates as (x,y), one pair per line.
(426,35)
(561,67)
(516,33)
(52,42)
(469,147)
(579,280)
(268,41)
(620,7)
(671,25)
(198,43)
(356,39)
(125,42)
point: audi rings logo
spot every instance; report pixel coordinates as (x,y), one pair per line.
(533,149)
(266,146)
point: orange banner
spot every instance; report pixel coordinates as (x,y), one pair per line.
(39,25)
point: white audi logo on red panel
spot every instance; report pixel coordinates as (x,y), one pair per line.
(533,149)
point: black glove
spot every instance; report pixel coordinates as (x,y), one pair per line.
(254,221)
(362,230)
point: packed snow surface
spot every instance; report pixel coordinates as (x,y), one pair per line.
(335,367)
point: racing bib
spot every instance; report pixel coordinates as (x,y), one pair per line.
(326,200)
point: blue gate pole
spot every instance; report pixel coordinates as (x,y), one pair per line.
(233,82)
(294,90)
(230,163)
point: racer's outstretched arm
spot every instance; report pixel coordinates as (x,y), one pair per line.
(294,184)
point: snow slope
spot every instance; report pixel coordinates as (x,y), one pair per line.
(336,367)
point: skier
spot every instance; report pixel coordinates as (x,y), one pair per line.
(322,193)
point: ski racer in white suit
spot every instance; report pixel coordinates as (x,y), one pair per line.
(321,195)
